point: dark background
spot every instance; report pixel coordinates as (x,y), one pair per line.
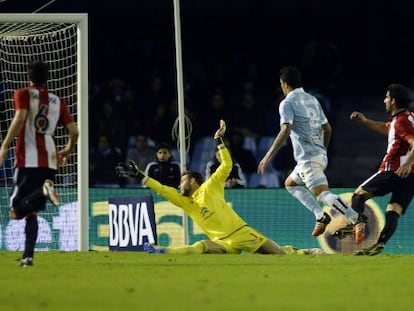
(232,50)
(372,43)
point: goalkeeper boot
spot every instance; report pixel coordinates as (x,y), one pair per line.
(359,228)
(26,262)
(321,224)
(313,251)
(291,250)
(371,251)
(49,192)
(149,248)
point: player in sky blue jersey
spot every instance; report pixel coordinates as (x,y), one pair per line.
(302,118)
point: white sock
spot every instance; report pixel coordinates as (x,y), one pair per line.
(334,201)
(307,199)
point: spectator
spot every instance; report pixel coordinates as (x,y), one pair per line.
(110,123)
(161,122)
(142,153)
(101,157)
(242,155)
(164,169)
(248,119)
(236,178)
(215,109)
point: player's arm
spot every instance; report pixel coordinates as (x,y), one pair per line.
(224,169)
(170,193)
(327,133)
(73,134)
(377,126)
(14,129)
(66,119)
(131,169)
(280,139)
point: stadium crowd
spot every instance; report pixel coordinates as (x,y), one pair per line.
(232,77)
(121,116)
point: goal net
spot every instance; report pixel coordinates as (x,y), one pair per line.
(61,42)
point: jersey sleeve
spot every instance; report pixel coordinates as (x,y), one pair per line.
(170,193)
(217,179)
(65,116)
(405,128)
(21,99)
(286,112)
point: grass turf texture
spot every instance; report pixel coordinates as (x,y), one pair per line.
(140,281)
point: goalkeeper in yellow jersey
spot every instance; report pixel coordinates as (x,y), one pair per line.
(204,202)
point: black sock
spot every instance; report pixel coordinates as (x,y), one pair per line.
(391,223)
(30,230)
(358,203)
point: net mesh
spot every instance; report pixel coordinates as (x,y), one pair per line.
(56,45)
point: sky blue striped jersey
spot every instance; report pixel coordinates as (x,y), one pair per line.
(303,111)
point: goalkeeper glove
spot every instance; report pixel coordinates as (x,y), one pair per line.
(129,169)
(218,136)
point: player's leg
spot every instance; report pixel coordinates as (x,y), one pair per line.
(200,247)
(271,247)
(27,198)
(357,224)
(314,177)
(328,198)
(393,213)
(378,184)
(29,192)
(31,231)
(400,200)
(296,187)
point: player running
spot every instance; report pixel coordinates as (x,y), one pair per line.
(396,172)
(302,118)
(37,114)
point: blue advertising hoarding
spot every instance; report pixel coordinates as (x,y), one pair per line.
(274,212)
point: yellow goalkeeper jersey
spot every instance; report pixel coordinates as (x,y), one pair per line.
(207,206)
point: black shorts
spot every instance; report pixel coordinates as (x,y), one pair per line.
(26,182)
(382,183)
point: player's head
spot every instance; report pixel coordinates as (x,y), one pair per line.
(38,72)
(190,182)
(290,78)
(400,94)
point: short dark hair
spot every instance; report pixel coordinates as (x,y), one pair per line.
(196,175)
(400,94)
(163,146)
(292,76)
(38,72)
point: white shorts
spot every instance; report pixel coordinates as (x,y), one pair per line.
(311,172)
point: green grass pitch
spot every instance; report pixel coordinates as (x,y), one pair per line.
(141,281)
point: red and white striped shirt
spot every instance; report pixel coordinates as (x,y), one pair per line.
(35,144)
(400,131)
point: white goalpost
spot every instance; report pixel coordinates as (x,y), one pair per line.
(60,40)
